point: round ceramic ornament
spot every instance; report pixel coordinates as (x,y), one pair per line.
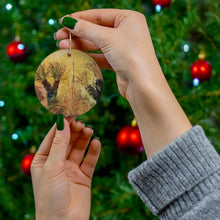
(68,82)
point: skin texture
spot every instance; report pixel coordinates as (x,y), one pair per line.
(124,39)
(61,187)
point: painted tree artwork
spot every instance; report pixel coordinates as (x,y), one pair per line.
(68,85)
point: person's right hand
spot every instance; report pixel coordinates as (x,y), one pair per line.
(125,41)
(122,36)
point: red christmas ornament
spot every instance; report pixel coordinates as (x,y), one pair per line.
(129,140)
(17,51)
(162,3)
(26,164)
(202,70)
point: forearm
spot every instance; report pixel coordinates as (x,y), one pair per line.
(159,116)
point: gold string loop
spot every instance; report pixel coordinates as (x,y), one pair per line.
(69,53)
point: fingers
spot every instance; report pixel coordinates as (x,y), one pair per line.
(92,32)
(90,161)
(85,45)
(77,43)
(101,60)
(63,33)
(78,149)
(92,24)
(104,17)
(41,155)
(76,128)
(70,120)
(59,146)
(45,146)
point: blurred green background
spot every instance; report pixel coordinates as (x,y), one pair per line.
(188,22)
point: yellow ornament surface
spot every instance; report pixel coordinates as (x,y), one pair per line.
(68,82)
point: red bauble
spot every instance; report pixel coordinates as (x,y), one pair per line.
(129,140)
(17,51)
(26,164)
(162,3)
(202,70)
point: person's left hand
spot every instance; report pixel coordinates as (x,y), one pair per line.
(61,178)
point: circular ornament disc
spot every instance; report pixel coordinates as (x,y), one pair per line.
(68,82)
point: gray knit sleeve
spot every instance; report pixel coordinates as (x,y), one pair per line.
(182,181)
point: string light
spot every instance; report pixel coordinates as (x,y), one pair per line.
(8,6)
(14,136)
(51,21)
(195,82)
(2,103)
(21,46)
(158,8)
(186,48)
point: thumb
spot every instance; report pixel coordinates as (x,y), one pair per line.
(87,30)
(60,142)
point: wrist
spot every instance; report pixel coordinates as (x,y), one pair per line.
(146,83)
(143,74)
(159,116)
(46,217)
(42,215)
(62,216)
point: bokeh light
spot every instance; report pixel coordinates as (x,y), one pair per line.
(8,6)
(195,82)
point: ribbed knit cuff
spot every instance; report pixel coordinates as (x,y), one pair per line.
(179,175)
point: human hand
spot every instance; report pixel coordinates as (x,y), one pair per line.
(61,178)
(122,36)
(125,41)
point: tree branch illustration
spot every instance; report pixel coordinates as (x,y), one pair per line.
(57,69)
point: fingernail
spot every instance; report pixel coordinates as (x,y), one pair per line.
(97,138)
(60,122)
(57,43)
(69,22)
(90,126)
(54,36)
(78,119)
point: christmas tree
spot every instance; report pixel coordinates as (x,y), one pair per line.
(183,32)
